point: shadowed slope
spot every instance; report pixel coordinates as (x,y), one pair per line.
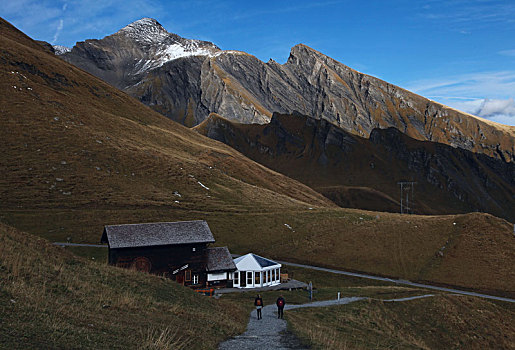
(363,173)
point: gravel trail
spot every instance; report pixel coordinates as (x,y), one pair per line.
(270,332)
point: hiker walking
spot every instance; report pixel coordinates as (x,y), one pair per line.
(280,306)
(258,302)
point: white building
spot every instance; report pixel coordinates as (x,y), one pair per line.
(254,271)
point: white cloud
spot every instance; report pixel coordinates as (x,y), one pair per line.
(488,108)
(84,19)
(507,53)
(471,86)
(487,95)
(58,31)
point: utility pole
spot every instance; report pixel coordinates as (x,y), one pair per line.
(408,189)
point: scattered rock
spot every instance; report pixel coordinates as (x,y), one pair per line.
(204,186)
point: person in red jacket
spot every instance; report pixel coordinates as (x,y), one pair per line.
(280,306)
(258,303)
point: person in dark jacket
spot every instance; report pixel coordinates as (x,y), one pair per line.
(258,303)
(280,306)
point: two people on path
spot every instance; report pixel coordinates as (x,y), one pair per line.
(258,303)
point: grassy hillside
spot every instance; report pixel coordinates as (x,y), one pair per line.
(441,322)
(52,299)
(472,251)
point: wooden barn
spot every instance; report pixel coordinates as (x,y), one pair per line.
(178,250)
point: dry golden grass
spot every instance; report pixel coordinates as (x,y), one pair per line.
(52,299)
(441,322)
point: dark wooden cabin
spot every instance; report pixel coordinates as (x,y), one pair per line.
(177,250)
(220,267)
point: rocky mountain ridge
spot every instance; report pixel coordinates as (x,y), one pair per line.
(363,173)
(125,57)
(240,87)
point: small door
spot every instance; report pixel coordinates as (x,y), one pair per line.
(243,279)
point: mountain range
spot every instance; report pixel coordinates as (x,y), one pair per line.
(461,162)
(186,80)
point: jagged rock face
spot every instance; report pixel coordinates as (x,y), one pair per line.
(125,58)
(363,173)
(187,80)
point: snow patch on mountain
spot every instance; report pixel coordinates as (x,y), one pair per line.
(59,49)
(174,51)
(163,46)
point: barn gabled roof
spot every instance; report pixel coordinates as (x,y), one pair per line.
(158,233)
(218,259)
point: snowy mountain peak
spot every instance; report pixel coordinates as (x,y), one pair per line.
(145,30)
(59,49)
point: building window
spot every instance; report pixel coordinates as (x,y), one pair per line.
(195,279)
(257,278)
(249,278)
(267,276)
(236,278)
(193,249)
(275,275)
(187,275)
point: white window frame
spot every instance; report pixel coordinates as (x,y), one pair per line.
(258,278)
(236,278)
(250,277)
(195,279)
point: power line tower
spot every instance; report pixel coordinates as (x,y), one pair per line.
(407,196)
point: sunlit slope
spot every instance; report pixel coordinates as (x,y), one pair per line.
(70,140)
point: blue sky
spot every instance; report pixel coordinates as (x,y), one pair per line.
(461,53)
